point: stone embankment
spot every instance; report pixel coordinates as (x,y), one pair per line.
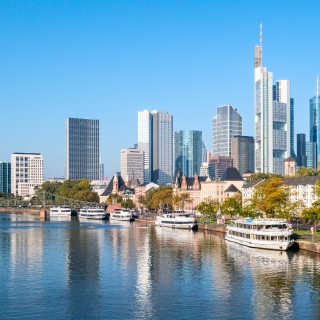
(21,210)
(309,246)
(212,227)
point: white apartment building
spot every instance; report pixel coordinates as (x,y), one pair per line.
(132,164)
(26,173)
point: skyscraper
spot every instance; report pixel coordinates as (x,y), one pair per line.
(132,163)
(272,118)
(315,121)
(225,125)
(188,152)
(155,139)
(242,153)
(311,154)
(82,149)
(5,177)
(301,150)
(26,173)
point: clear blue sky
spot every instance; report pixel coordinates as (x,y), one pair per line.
(107,60)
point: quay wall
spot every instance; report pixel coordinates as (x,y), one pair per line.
(309,246)
(21,210)
(212,227)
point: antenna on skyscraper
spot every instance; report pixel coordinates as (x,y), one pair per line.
(317,91)
(261,41)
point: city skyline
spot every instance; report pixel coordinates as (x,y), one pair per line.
(84,62)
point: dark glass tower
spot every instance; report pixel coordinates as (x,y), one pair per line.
(301,150)
(5,177)
(82,149)
(314,122)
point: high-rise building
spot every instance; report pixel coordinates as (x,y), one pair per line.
(207,170)
(132,164)
(221,163)
(5,177)
(301,150)
(242,153)
(315,121)
(155,139)
(311,153)
(26,173)
(272,118)
(292,153)
(204,153)
(188,152)
(225,125)
(101,170)
(82,149)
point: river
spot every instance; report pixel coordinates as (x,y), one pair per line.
(101,270)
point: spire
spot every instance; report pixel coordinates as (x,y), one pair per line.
(317,91)
(261,42)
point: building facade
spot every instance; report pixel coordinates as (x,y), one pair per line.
(132,164)
(225,125)
(301,150)
(220,163)
(315,121)
(311,154)
(242,153)
(5,177)
(82,149)
(155,139)
(188,152)
(26,173)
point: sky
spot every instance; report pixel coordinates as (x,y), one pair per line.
(107,60)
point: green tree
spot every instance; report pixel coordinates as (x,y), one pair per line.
(263,176)
(162,197)
(304,172)
(50,187)
(272,198)
(181,199)
(232,206)
(114,198)
(208,207)
(127,203)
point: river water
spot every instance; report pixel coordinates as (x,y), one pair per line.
(101,270)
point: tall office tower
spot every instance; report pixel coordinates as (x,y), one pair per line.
(311,153)
(101,169)
(221,163)
(132,164)
(242,153)
(204,152)
(155,139)
(26,173)
(225,125)
(315,121)
(292,153)
(188,152)
(145,125)
(301,150)
(272,118)
(207,170)
(82,149)
(5,177)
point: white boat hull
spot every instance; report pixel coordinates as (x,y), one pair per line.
(120,219)
(269,245)
(93,217)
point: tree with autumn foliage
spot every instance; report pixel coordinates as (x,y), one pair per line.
(208,207)
(180,200)
(232,206)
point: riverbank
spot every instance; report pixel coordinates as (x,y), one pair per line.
(21,210)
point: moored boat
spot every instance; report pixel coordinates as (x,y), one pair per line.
(92,213)
(272,234)
(60,212)
(121,215)
(176,219)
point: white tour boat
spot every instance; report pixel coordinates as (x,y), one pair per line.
(121,215)
(60,212)
(92,213)
(273,234)
(176,219)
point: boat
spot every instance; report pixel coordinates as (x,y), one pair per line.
(60,212)
(176,219)
(92,213)
(121,215)
(272,234)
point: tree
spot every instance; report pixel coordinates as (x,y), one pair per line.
(181,199)
(127,203)
(114,198)
(272,198)
(263,176)
(304,172)
(50,187)
(163,197)
(208,207)
(232,206)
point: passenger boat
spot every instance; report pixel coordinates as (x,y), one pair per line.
(176,219)
(121,215)
(60,212)
(272,234)
(92,213)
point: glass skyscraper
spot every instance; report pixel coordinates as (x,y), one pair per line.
(82,149)
(188,152)
(314,123)
(225,125)
(311,154)
(5,177)
(301,150)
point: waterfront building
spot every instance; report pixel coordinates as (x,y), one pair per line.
(242,153)
(301,150)
(5,177)
(132,163)
(99,186)
(315,121)
(155,139)
(188,152)
(26,173)
(272,118)
(221,163)
(225,125)
(311,153)
(82,149)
